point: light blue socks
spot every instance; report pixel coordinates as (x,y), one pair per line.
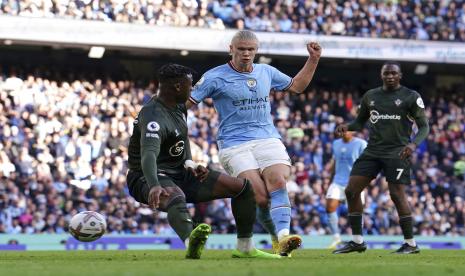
(333,223)
(281,212)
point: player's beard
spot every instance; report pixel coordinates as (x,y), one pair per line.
(245,65)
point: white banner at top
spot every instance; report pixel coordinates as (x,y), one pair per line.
(79,33)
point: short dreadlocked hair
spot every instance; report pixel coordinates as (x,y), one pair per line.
(172,71)
(392,62)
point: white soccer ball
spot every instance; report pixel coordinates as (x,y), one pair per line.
(87,226)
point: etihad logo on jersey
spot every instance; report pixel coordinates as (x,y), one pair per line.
(177,149)
(250,101)
(375,117)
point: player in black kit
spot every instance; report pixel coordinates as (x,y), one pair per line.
(390,111)
(162,174)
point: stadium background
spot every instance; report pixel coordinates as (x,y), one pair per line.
(65,118)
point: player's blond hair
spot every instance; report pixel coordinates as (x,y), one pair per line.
(244,35)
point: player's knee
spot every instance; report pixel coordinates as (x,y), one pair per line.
(175,196)
(396,197)
(395,193)
(350,193)
(247,191)
(277,181)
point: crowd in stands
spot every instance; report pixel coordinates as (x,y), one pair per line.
(63,149)
(425,20)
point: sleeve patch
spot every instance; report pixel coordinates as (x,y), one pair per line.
(420,103)
(153,126)
(199,82)
(152,135)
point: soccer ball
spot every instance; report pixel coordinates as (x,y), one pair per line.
(87,226)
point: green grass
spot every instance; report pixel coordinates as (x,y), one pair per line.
(216,262)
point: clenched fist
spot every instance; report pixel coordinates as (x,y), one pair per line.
(314,49)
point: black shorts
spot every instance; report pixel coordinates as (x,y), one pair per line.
(395,170)
(194,190)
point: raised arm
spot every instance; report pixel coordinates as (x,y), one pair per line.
(305,75)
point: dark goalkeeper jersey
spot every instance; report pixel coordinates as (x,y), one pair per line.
(390,116)
(159,142)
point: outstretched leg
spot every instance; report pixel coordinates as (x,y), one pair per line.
(178,215)
(243,206)
(175,205)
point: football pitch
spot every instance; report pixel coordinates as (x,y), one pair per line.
(219,262)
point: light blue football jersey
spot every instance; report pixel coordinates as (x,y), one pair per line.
(242,100)
(344,155)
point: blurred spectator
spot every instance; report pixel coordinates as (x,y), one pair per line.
(424,20)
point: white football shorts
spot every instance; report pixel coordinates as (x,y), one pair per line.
(255,154)
(336,191)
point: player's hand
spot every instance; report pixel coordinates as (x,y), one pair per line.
(407,151)
(154,196)
(341,130)
(200,172)
(314,49)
